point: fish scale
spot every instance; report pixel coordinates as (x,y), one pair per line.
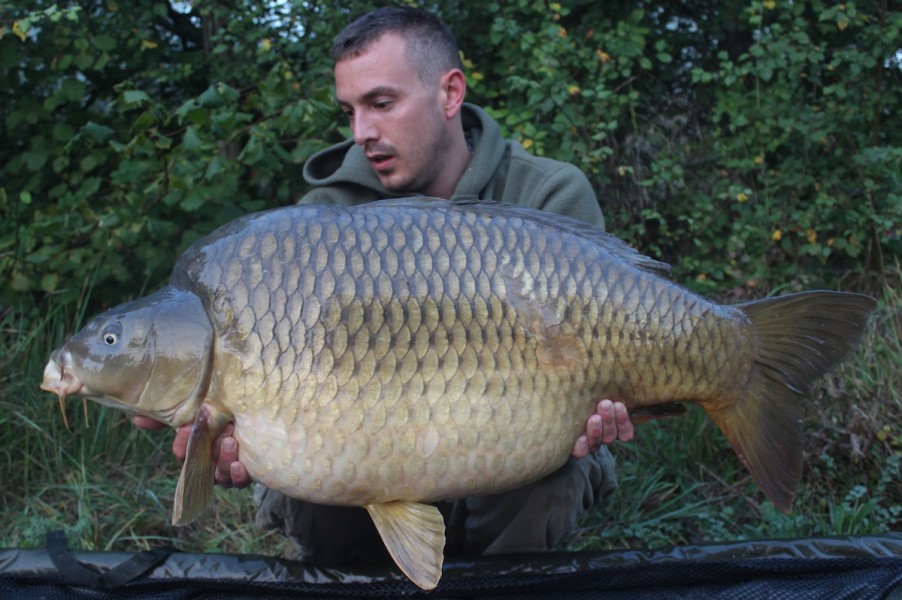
(414,350)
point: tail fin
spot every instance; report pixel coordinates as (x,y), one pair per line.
(800,337)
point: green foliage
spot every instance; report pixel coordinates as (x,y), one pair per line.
(809,169)
(750,144)
(141,131)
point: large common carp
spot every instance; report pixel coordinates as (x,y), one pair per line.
(413,350)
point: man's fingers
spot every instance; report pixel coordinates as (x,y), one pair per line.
(180,442)
(143,422)
(231,474)
(625,429)
(225,448)
(580,448)
(239,475)
(610,423)
(228,456)
(227,470)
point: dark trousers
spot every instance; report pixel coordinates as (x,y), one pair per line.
(540,516)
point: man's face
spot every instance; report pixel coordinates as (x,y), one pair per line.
(394,116)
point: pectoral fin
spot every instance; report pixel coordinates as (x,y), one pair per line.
(195,487)
(414,534)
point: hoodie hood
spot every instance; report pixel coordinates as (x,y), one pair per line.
(345,164)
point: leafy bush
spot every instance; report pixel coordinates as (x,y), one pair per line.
(143,128)
(751,144)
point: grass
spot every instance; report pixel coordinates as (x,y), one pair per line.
(109,485)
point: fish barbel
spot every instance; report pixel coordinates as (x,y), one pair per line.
(407,351)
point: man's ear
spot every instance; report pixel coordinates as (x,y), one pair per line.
(454,89)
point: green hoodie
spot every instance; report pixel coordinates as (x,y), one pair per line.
(499,170)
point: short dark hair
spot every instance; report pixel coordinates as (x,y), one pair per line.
(431,48)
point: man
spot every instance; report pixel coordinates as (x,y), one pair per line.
(399,80)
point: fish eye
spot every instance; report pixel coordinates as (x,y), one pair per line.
(111,332)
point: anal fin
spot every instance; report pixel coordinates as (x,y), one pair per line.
(195,487)
(414,534)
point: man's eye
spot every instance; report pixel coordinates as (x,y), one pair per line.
(382,104)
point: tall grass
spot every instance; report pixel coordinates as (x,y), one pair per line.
(110,485)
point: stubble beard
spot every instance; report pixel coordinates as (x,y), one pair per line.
(428,163)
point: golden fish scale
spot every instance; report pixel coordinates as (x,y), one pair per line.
(426,354)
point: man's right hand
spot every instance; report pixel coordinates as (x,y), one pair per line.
(609,423)
(229,471)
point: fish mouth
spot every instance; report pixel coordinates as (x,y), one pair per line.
(61,381)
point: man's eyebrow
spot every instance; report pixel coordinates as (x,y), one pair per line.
(376,92)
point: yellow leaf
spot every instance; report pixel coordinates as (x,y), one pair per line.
(562,32)
(19,31)
(477,76)
(527,143)
(811,236)
(742,197)
(148,44)
(573,89)
(777,235)
(266,45)
(843,24)
(603,56)
(770,4)
(759,159)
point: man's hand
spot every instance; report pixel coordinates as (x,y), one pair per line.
(608,423)
(229,471)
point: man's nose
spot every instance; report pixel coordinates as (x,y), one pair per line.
(364,130)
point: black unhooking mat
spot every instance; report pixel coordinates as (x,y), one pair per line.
(834,568)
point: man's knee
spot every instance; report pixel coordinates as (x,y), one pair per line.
(540,516)
(326,535)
